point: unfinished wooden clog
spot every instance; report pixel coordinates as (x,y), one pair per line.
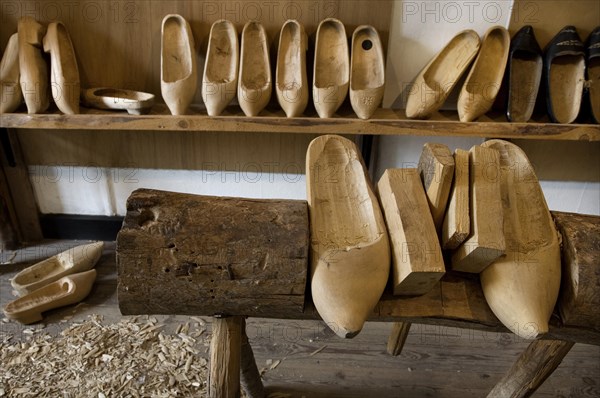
(77,259)
(11,95)
(33,69)
(367,71)
(178,77)
(434,83)
(291,82)
(254,83)
(483,82)
(350,253)
(67,290)
(331,74)
(220,80)
(134,102)
(64,74)
(521,287)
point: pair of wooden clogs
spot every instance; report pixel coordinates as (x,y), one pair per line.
(63,279)
(350,247)
(23,70)
(435,82)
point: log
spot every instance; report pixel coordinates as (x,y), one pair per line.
(397,338)
(225,354)
(579,297)
(417,262)
(188,254)
(457,222)
(249,375)
(436,167)
(532,368)
(486,239)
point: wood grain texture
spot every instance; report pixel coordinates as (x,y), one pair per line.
(486,239)
(436,167)
(188,254)
(532,368)
(397,338)
(457,221)
(250,380)
(383,122)
(417,262)
(579,297)
(225,356)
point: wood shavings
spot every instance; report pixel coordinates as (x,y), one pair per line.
(315,352)
(132,358)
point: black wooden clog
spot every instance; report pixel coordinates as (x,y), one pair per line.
(592,75)
(564,75)
(524,75)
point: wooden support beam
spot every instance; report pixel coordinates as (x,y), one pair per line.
(9,233)
(457,222)
(225,355)
(249,374)
(436,167)
(532,368)
(417,262)
(397,338)
(486,239)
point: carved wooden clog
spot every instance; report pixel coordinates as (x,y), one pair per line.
(77,259)
(434,83)
(220,80)
(34,73)
(521,287)
(134,102)
(178,77)
(64,74)
(350,253)
(483,82)
(367,71)
(67,290)
(291,83)
(331,74)
(11,95)
(254,83)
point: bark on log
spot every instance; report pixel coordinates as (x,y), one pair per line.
(532,368)
(199,255)
(579,298)
(225,353)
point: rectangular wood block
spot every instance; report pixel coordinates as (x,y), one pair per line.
(436,167)
(457,223)
(417,261)
(200,255)
(486,239)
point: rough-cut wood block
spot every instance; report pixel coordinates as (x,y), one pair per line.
(200,255)
(436,166)
(417,261)
(486,239)
(457,222)
(579,298)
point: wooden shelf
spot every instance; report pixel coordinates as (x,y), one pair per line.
(384,122)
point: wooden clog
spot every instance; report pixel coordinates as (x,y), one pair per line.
(331,74)
(67,290)
(254,83)
(564,75)
(367,71)
(220,80)
(350,253)
(178,77)
(134,102)
(483,82)
(291,83)
(436,80)
(77,259)
(521,287)
(33,69)
(11,95)
(64,74)
(593,73)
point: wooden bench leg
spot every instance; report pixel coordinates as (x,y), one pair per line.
(532,368)
(398,337)
(249,376)
(225,350)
